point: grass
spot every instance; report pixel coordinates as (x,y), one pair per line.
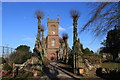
(111,65)
(19,78)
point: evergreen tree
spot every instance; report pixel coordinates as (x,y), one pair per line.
(23,48)
(82,47)
(21,54)
(112,43)
(87,51)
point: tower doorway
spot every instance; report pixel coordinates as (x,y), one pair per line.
(52,56)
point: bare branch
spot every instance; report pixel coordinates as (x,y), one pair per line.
(42,28)
(61,41)
(106,15)
(39,14)
(75,14)
(65,36)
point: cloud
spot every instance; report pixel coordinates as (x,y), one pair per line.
(61,28)
(70,27)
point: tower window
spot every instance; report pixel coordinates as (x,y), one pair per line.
(53,42)
(53,27)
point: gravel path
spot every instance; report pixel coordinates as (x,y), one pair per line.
(54,72)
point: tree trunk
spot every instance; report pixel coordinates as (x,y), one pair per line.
(115,56)
(74,42)
(42,35)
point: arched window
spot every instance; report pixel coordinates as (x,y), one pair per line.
(53,42)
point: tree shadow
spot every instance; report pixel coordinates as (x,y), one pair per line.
(63,70)
(67,68)
(70,69)
(52,73)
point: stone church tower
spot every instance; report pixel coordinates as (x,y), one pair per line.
(52,39)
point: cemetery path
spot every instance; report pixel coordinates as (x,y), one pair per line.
(55,72)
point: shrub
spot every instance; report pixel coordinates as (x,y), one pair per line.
(2,60)
(7,67)
(111,65)
(118,60)
(92,58)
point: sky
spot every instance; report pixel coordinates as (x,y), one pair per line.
(19,25)
(59,0)
(0,27)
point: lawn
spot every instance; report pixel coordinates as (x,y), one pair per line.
(111,65)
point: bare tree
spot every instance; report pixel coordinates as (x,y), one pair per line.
(104,17)
(42,30)
(61,48)
(75,16)
(65,38)
(61,42)
(39,15)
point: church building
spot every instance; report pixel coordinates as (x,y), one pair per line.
(52,39)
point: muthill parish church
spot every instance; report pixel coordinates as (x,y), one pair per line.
(52,44)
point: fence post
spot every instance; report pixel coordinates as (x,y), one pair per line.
(7,51)
(11,50)
(3,52)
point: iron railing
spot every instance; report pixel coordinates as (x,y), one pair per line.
(5,51)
